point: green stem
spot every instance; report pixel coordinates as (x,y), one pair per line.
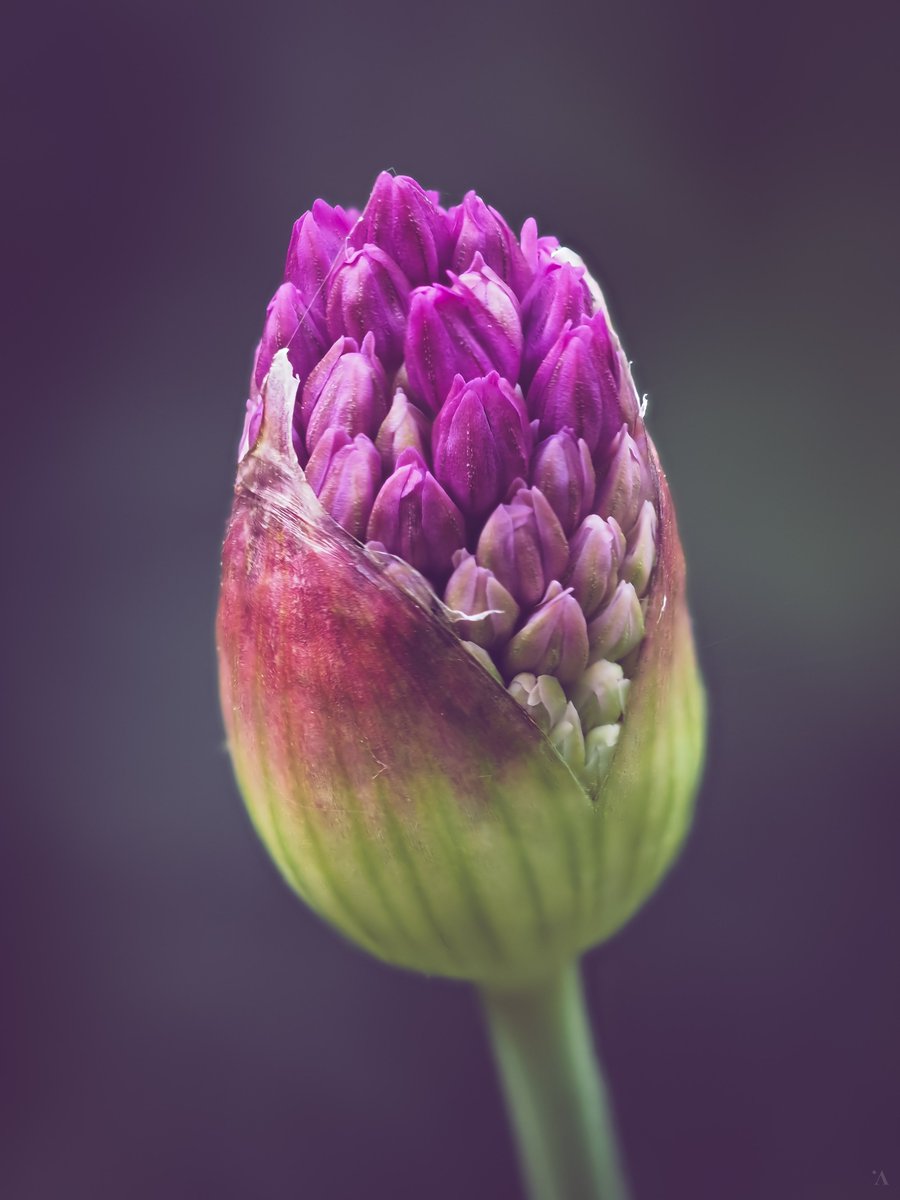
(554,1090)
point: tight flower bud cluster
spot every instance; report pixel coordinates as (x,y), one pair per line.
(463,407)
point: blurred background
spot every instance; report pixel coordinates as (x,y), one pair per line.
(174,1023)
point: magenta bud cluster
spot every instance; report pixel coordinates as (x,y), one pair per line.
(464,406)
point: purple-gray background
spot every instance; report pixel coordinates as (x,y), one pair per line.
(174,1024)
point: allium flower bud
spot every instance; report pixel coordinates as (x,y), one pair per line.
(599,695)
(557,298)
(347,390)
(553,641)
(594,556)
(368,293)
(479,229)
(626,483)
(563,471)
(480,442)
(415,519)
(541,696)
(403,220)
(441,819)
(568,738)
(404,428)
(575,386)
(637,566)
(316,242)
(473,590)
(524,545)
(599,745)
(287,326)
(467,329)
(345,473)
(619,627)
(538,251)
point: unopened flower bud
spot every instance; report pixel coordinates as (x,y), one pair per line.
(624,486)
(541,696)
(288,327)
(558,296)
(415,518)
(599,747)
(469,328)
(403,220)
(599,695)
(345,473)
(524,545)
(568,390)
(563,470)
(595,552)
(618,627)
(480,442)
(348,390)
(316,242)
(637,566)
(404,428)
(538,250)
(368,293)
(479,229)
(442,820)
(568,738)
(553,641)
(473,590)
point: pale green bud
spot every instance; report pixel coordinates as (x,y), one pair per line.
(618,627)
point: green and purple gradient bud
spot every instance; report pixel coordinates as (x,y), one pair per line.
(563,472)
(456,663)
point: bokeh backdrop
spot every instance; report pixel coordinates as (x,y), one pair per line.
(174,1024)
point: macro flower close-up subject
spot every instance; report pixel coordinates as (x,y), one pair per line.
(456,663)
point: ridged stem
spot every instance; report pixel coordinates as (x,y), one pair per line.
(554,1090)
